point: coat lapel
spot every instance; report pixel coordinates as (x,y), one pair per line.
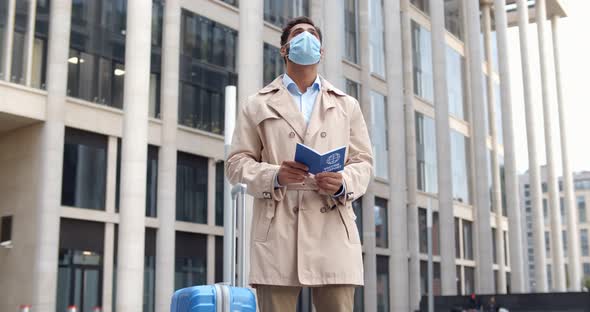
(282,102)
(323,104)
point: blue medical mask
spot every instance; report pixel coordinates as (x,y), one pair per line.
(304,49)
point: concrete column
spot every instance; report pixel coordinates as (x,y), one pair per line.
(108,267)
(50,175)
(370,260)
(333,32)
(411,171)
(166,235)
(534,169)
(515,230)
(316,12)
(574,262)
(30,41)
(484,279)
(496,189)
(250,46)
(8,39)
(443,153)
(398,233)
(134,157)
(557,264)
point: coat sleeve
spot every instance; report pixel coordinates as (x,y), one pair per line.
(244,163)
(358,169)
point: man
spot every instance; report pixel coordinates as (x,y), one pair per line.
(303,226)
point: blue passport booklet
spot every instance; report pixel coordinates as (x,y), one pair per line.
(331,161)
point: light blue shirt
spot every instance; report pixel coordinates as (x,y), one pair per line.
(304,101)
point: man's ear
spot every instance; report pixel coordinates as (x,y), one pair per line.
(322,53)
(283,51)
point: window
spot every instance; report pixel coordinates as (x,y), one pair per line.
(490,180)
(426,154)
(422,58)
(357,207)
(458,239)
(584,242)
(84,170)
(564,240)
(454,17)
(494,247)
(191,188)
(218,259)
(421,5)
(381,224)
(459,280)
(151,193)
(352,88)
(376,44)
(6,229)
(467,240)
(587,269)
(436,281)
(18,66)
(545,211)
(219,189)
(382,283)
(422,220)
(581,209)
(3,17)
(503,202)
(505,238)
(191,260)
(149,279)
(80,264)
(380,146)
(273,63)
(96,64)
(547,243)
(460,165)
(207,66)
(232,2)
(359,299)
(351,30)
(498,113)
(156,58)
(455,83)
(469,280)
(278,12)
(486,116)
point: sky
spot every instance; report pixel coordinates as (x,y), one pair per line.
(574,50)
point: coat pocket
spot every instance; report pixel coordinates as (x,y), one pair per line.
(264,221)
(348,220)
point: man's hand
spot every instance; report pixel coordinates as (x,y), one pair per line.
(292,172)
(330,182)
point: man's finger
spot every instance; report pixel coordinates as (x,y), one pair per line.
(296,171)
(329,174)
(294,164)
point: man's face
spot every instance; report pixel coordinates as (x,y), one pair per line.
(296,30)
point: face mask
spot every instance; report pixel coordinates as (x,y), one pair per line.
(304,49)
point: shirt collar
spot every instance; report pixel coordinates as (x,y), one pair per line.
(292,86)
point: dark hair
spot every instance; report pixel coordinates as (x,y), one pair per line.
(297,20)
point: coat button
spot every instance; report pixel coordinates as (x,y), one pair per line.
(323,210)
(323,134)
(295,210)
(292,134)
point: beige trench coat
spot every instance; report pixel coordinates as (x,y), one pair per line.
(299,236)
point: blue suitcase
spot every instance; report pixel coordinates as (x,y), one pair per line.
(221,297)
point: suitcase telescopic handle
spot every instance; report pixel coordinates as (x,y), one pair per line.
(238,195)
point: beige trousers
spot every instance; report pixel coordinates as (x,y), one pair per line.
(332,298)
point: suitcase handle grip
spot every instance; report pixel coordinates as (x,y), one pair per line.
(238,196)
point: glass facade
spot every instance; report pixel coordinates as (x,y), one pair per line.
(503,202)
(18,66)
(84,170)
(454,17)
(498,113)
(3,17)
(352,89)
(469,280)
(357,207)
(191,188)
(494,248)
(156,58)
(376,38)
(422,5)
(207,66)
(467,240)
(274,64)
(219,182)
(379,135)
(190,260)
(218,259)
(457,225)
(584,243)
(460,167)
(381,223)
(149,277)
(422,58)
(278,12)
(382,284)
(151,201)
(455,83)
(80,266)
(485,104)
(423,232)
(351,30)
(426,154)
(96,64)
